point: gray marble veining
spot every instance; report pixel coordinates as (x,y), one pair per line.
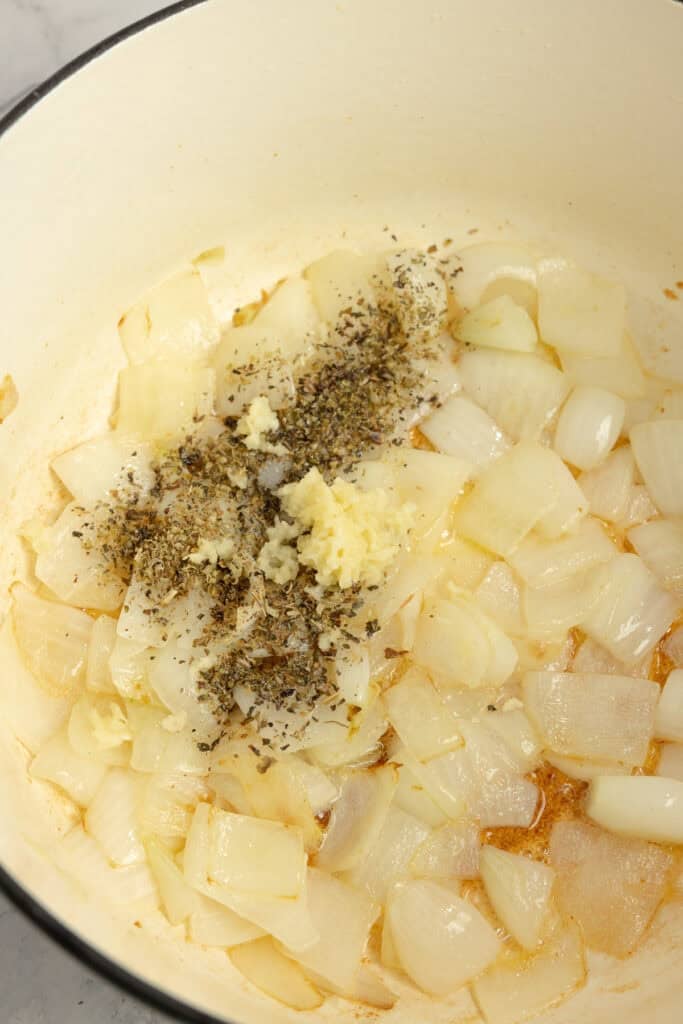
(40,983)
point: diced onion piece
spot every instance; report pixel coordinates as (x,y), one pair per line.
(173,677)
(584,770)
(610,886)
(633,612)
(167,802)
(360,743)
(643,807)
(499,323)
(599,717)
(112,819)
(620,373)
(591,657)
(261,962)
(608,488)
(499,596)
(487,263)
(509,498)
(669,717)
(159,401)
(178,900)
(357,819)
(81,857)
(451,851)
(660,545)
(638,410)
(657,447)
(553,610)
(514,727)
(339,281)
(460,645)
(211,924)
(579,311)
(128,664)
(173,319)
(388,860)
(342,916)
(353,675)
(522,392)
(541,562)
(100,647)
(410,574)
(418,292)
(462,563)
(671,761)
(52,639)
(640,507)
(673,646)
(442,941)
(420,717)
(252,855)
(412,796)
(669,405)
(79,777)
(321,791)
(367,988)
(520,891)
(92,470)
(518,989)
(250,362)
(570,504)
(73,571)
(291,311)
(589,425)
(431,482)
(156,749)
(462,428)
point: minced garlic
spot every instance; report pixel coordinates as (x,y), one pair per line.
(352,535)
(258,421)
(110,730)
(278,560)
(212,551)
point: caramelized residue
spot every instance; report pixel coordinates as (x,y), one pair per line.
(670,294)
(418,440)
(661,664)
(561,797)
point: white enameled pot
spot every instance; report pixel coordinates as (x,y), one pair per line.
(281,130)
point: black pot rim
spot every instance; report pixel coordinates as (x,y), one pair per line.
(20,897)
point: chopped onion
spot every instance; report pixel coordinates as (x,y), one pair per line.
(412,797)
(128,664)
(639,509)
(520,891)
(155,749)
(610,886)
(522,392)
(570,504)
(518,989)
(167,802)
(592,658)
(98,728)
(643,807)
(463,429)
(487,263)
(620,373)
(671,761)
(357,818)
(342,916)
(112,819)
(52,639)
(367,988)
(441,940)
(431,482)
(73,570)
(553,610)
(599,717)
(673,646)
(160,401)
(359,745)
(578,311)
(353,675)
(291,311)
(249,363)
(420,717)
(81,857)
(584,770)
(173,677)
(261,963)
(541,562)
(173,319)
(411,574)
(387,861)
(499,596)
(100,647)
(633,612)
(178,900)
(513,726)
(669,405)
(342,280)
(498,323)
(589,425)
(321,791)
(79,777)
(211,924)
(451,851)
(609,488)
(657,447)
(638,410)
(460,645)
(418,292)
(660,545)
(462,563)
(509,498)
(252,855)
(92,470)
(669,717)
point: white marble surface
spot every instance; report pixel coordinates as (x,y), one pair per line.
(39,983)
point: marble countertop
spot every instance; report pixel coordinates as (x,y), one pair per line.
(40,983)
